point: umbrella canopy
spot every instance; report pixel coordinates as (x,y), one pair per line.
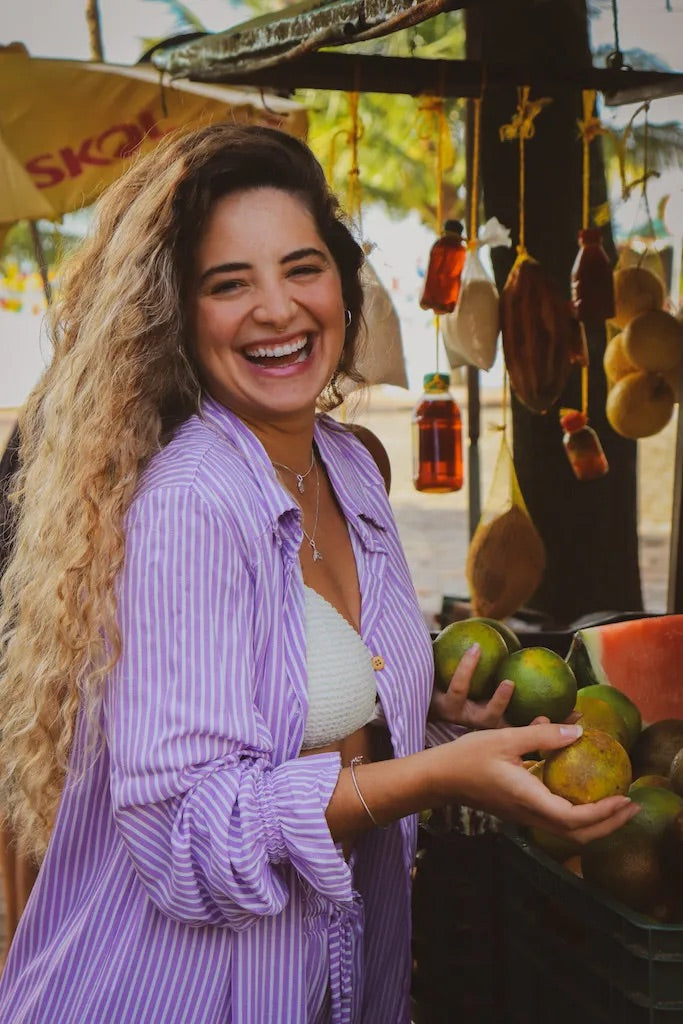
(67,128)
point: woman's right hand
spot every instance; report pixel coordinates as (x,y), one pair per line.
(484,770)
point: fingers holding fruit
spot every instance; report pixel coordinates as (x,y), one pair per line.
(457,705)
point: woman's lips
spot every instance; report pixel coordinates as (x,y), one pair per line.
(283,352)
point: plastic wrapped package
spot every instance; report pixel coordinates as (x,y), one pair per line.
(470,332)
(380,344)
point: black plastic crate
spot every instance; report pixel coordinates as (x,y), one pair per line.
(570,954)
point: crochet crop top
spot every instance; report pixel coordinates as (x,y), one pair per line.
(341,682)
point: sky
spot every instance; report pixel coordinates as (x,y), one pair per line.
(57,28)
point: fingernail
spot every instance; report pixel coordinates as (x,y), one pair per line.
(474,649)
(571,730)
(506,684)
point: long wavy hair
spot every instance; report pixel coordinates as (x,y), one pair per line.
(122,377)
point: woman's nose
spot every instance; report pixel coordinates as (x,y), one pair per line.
(275,306)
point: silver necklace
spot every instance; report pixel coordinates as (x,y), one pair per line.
(310,537)
(300,477)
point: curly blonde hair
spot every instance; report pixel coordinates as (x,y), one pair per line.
(122,377)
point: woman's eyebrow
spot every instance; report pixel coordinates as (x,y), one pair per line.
(300,254)
(223,268)
(291,257)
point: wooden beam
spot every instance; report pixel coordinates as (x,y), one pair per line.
(449,78)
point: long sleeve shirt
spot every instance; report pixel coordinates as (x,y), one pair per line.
(191,877)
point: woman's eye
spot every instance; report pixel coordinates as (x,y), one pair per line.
(305,269)
(226,286)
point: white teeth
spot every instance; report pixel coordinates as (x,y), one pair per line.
(277,350)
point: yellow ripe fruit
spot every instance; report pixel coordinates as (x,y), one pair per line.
(653,341)
(635,291)
(594,766)
(639,405)
(615,361)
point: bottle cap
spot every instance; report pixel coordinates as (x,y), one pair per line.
(572,420)
(454,226)
(436,383)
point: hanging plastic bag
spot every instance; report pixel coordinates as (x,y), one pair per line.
(470,332)
(380,343)
(506,557)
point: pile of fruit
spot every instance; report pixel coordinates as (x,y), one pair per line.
(632,742)
(643,361)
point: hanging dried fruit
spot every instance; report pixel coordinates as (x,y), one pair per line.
(539,335)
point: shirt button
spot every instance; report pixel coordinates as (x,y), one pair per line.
(378,662)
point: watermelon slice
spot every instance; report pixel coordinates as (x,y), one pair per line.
(641,657)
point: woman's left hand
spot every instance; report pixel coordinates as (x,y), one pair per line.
(455,705)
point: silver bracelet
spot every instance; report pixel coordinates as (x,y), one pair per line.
(359,759)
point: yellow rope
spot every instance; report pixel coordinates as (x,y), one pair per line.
(354,199)
(474,199)
(590,128)
(522,127)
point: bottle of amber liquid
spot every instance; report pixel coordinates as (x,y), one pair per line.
(592,281)
(437,438)
(446,262)
(582,446)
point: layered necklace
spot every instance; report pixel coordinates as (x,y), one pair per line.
(300,477)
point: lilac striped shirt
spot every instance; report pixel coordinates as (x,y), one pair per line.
(191,877)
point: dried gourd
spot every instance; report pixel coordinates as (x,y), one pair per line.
(538,335)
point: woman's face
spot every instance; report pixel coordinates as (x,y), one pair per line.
(268,307)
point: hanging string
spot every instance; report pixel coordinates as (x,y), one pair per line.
(474,199)
(590,128)
(354,195)
(351,136)
(522,127)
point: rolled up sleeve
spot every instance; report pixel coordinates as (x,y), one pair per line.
(214,827)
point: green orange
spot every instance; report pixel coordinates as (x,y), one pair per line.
(451,644)
(544,685)
(623,704)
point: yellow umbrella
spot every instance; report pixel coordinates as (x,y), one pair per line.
(67,128)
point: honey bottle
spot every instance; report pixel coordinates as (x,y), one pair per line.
(582,446)
(437,438)
(446,262)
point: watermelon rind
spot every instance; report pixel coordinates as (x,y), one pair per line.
(583,658)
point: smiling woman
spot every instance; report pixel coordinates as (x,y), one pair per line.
(215,671)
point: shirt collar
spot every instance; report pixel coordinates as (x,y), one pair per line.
(277,499)
(362,498)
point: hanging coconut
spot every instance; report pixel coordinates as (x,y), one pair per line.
(505,564)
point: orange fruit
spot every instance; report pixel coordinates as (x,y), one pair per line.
(594,766)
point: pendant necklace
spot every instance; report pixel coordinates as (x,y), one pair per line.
(310,537)
(300,477)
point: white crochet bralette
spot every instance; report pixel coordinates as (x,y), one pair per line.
(341,682)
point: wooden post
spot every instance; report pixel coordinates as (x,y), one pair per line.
(92,16)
